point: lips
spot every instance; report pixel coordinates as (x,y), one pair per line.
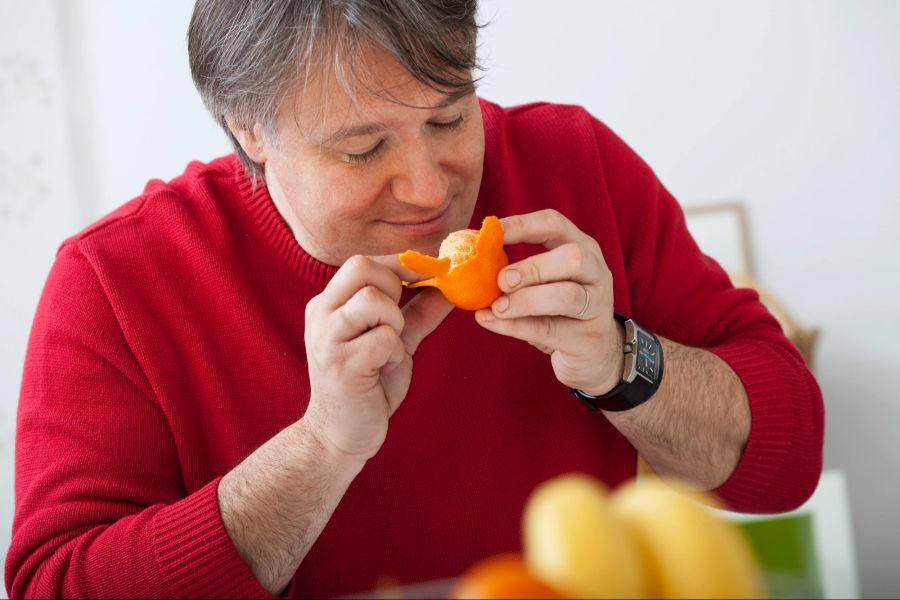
(426,224)
(422,222)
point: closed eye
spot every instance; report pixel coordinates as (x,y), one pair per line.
(454,124)
(366,156)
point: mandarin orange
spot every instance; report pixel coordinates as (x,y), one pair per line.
(501,576)
(466,267)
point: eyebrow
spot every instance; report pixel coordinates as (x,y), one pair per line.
(349,131)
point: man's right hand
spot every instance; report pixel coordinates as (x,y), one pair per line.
(359,346)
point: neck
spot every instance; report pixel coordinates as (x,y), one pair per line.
(284,208)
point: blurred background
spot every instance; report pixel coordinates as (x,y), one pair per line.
(789,110)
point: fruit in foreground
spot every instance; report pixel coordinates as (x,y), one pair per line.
(501,576)
(466,267)
(573,542)
(687,551)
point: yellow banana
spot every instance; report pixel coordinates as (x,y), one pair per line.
(572,541)
(687,551)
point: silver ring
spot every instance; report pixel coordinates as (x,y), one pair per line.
(587,302)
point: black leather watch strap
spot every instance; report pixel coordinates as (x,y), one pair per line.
(626,395)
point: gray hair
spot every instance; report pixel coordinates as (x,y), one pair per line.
(245,55)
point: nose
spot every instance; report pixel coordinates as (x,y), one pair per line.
(420,180)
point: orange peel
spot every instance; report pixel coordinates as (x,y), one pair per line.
(466,267)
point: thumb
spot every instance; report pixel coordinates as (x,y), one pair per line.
(423,313)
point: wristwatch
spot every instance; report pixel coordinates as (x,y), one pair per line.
(642,374)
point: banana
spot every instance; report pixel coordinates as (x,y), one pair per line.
(687,551)
(574,543)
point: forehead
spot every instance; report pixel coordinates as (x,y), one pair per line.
(374,87)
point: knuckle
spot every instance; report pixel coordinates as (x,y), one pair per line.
(374,354)
(385,343)
(574,296)
(607,277)
(399,318)
(356,262)
(369,295)
(518,304)
(533,272)
(554,218)
(344,316)
(596,252)
(385,336)
(545,328)
(574,257)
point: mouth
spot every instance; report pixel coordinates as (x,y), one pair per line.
(422,225)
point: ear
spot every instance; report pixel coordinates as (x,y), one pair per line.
(251,140)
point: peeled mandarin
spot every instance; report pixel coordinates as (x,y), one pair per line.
(459,246)
(466,267)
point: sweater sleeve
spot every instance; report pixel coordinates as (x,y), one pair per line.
(684,295)
(101,508)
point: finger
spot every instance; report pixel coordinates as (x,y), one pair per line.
(377,348)
(392,262)
(563,298)
(395,379)
(558,333)
(356,273)
(547,227)
(423,314)
(367,309)
(571,261)
(542,348)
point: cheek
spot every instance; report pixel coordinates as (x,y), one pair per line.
(350,192)
(474,155)
(468,152)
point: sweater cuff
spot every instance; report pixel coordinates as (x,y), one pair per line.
(774,386)
(195,553)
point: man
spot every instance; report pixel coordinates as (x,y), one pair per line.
(228,392)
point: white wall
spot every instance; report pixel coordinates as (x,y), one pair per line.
(37,205)
(144,118)
(794,107)
(790,106)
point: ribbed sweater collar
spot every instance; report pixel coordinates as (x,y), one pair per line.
(275,231)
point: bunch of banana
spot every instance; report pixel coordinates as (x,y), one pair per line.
(643,540)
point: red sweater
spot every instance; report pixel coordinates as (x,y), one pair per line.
(168,345)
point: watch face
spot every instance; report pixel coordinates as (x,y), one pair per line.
(647,357)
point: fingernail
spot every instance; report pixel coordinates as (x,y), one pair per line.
(501,304)
(485,316)
(513,278)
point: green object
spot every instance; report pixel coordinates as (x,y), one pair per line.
(785,548)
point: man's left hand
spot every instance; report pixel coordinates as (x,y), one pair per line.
(560,301)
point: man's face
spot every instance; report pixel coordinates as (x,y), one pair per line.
(397,165)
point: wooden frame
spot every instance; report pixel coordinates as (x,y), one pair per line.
(722,232)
